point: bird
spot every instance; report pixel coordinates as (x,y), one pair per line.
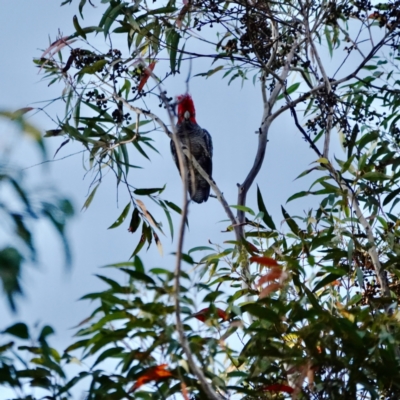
(198,141)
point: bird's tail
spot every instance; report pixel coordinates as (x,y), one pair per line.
(199,190)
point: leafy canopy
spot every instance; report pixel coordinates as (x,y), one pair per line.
(306,310)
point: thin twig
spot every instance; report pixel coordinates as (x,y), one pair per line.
(50,161)
(305,135)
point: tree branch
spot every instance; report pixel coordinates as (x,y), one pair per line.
(263,138)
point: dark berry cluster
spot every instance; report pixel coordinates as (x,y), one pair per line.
(337,10)
(99,98)
(114,54)
(257,35)
(120,117)
(327,104)
(164,99)
(360,10)
(118,67)
(215,13)
(84,58)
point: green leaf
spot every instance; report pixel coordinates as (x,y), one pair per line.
(92,69)
(173,206)
(19,330)
(355,299)
(293,88)
(77,27)
(306,172)
(322,160)
(347,164)
(262,312)
(350,250)
(6,346)
(122,217)
(327,280)
(10,267)
(355,131)
(121,264)
(140,276)
(90,198)
(375,176)
(81,5)
(210,72)
(163,10)
(367,138)
(110,16)
(135,221)
(298,195)
(370,67)
(169,219)
(142,240)
(87,30)
(109,353)
(289,90)
(360,277)
(312,298)
(146,192)
(138,264)
(244,209)
(125,156)
(328,40)
(212,296)
(141,151)
(290,221)
(46,331)
(200,248)
(261,207)
(262,234)
(391,196)
(172,44)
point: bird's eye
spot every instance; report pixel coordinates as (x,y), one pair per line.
(186,114)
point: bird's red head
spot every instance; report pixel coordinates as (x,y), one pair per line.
(186,109)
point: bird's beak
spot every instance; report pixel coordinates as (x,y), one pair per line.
(186,114)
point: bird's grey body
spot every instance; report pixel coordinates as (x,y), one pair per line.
(198,141)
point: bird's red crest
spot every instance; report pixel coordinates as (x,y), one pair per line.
(185,103)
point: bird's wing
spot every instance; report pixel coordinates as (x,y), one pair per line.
(208,143)
(207,160)
(173,152)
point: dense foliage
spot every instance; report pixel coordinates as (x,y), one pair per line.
(304,311)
